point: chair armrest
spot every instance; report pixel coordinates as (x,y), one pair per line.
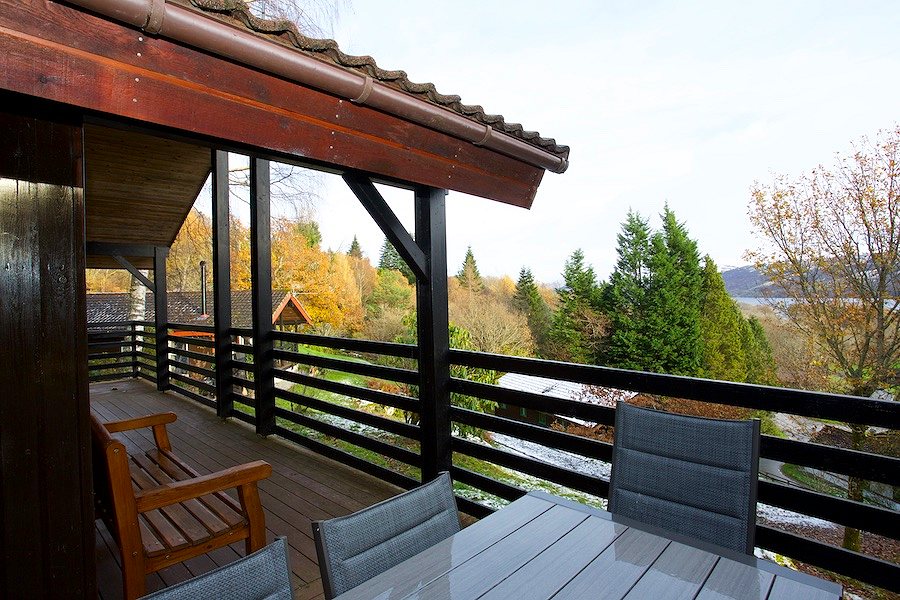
(157,422)
(180,491)
(137,423)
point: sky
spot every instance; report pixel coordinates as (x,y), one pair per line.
(685,103)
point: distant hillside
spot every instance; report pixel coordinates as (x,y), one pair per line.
(744,282)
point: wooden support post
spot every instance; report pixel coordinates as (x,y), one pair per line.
(161,308)
(261,281)
(433,332)
(222,283)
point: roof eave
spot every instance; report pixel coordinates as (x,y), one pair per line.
(200,30)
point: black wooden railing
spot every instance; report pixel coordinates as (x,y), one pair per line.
(387,446)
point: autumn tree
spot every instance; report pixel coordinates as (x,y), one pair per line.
(192,245)
(492,325)
(832,248)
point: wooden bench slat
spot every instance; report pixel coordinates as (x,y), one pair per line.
(204,508)
(151,543)
(221,505)
(163,528)
(195,530)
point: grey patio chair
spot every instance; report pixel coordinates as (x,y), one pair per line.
(357,547)
(690,475)
(262,575)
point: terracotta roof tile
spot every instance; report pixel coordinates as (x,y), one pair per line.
(286,32)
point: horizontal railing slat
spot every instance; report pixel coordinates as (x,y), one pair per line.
(357,439)
(846,562)
(346,366)
(193,396)
(842,511)
(578,481)
(193,382)
(352,391)
(534,433)
(190,354)
(838,407)
(348,459)
(190,327)
(367,346)
(396,427)
(548,404)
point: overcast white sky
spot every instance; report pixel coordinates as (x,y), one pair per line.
(679,102)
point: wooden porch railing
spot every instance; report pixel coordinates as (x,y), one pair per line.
(388,446)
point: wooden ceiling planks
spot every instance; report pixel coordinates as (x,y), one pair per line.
(139,188)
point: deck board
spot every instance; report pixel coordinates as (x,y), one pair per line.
(304,486)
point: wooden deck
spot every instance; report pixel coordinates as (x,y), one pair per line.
(304,486)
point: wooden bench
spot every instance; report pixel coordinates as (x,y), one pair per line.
(160,511)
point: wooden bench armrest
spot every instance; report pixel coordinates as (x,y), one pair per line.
(139,422)
(157,422)
(180,491)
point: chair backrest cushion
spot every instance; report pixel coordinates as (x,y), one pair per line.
(357,547)
(263,575)
(690,475)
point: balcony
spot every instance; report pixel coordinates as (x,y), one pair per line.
(379,451)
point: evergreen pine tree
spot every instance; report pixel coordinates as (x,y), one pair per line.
(391,260)
(672,319)
(528,300)
(571,338)
(625,297)
(355,250)
(468,275)
(722,327)
(760,360)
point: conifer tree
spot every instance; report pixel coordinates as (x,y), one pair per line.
(673,301)
(574,333)
(625,297)
(391,260)
(468,275)
(528,300)
(760,360)
(722,327)
(355,250)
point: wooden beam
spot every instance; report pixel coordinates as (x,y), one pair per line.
(433,326)
(161,318)
(222,282)
(137,274)
(396,233)
(59,53)
(110,249)
(261,282)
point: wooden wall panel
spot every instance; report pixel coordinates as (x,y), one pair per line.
(46,511)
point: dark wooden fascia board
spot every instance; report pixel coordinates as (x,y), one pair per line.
(59,53)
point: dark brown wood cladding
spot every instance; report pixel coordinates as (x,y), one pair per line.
(46,516)
(49,50)
(134,180)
